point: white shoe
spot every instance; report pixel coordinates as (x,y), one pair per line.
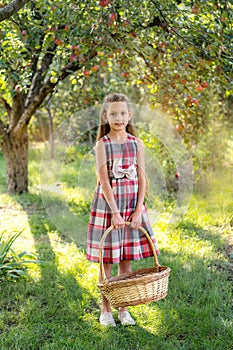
(106,319)
(125,318)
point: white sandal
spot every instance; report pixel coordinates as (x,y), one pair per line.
(106,319)
(125,318)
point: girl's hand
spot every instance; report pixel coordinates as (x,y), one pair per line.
(136,219)
(118,220)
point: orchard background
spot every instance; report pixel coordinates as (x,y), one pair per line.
(172,55)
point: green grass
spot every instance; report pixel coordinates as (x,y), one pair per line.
(57,308)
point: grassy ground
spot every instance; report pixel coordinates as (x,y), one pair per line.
(58,307)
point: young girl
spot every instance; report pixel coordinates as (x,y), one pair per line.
(119,197)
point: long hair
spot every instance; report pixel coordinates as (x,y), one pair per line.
(104,127)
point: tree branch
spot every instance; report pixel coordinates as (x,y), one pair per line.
(39,75)
(17,109)
(6,105)
(46,89)
(14,6)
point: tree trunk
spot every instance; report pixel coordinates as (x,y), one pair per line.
(15,151)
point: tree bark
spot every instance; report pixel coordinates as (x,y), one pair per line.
(15,151)
(8,10)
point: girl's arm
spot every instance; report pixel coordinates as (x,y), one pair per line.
(102,171)
(135,218)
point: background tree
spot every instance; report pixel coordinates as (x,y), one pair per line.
(173,53)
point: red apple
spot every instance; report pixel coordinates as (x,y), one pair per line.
(103,63)
(177,175)
(195,101)
(199,88)
(103,3)
(24,32)
(179,127)
(86,73)
(125,74)
(73,57)
(183,81)
(133,35)
(205,84)
(59,42)
(112,17)
(94,68)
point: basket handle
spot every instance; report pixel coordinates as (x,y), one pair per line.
(102,272)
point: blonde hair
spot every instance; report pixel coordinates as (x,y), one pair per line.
(104,127)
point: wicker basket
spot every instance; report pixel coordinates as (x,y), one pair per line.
(136,287)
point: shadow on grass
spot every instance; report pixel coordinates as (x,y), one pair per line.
(215,238)
(56,312)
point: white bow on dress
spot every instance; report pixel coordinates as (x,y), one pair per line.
(119,172)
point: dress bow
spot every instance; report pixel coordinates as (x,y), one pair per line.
(130,172)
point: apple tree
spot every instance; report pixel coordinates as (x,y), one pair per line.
(153,44)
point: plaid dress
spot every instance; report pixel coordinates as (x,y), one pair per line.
(125,243)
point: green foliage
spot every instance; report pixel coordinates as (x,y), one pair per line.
(12,265)
(171,55)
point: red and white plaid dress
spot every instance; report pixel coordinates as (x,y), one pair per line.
(125,243)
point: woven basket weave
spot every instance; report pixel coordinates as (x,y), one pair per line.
(136,287)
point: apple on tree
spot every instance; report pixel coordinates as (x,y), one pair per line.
(195,101)
(94,68)
(199,88)
(53,80)
(86,73)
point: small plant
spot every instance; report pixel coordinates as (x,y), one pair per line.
(13,265)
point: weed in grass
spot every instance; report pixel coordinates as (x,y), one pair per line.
(13,265)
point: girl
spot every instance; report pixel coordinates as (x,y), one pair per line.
(119,197)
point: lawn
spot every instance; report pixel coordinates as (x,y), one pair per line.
(57,306)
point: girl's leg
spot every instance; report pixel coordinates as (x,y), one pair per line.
(123,315)
(106,307)
(124,266)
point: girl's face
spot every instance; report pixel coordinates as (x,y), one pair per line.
(118,115)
